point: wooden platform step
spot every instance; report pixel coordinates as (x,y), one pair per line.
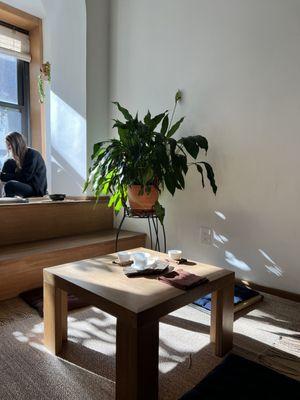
(21,265)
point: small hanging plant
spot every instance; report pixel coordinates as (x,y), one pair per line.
(44,76)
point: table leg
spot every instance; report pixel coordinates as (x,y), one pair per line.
(137,362)
(221,327)
(55,317)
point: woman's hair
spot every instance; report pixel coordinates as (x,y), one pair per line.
(18,147)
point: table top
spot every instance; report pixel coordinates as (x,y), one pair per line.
(106,280)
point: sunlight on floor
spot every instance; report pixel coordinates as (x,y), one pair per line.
(266,333)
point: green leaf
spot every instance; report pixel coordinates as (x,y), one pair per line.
(180,179)
(123,134)
(85,186)
(118,124)
(118,205)
(99,154)
(210,176)
(156,120)
(174,128)
(173,144)
(147,118)
(183,163)
(164,125)
(96,147)
(112,199)
(148,177)
(190,145)
(107,183)
(200,169)
(124,111)
(202,142)
(160,212)
(170,183)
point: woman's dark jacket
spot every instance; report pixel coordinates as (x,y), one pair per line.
(33,172)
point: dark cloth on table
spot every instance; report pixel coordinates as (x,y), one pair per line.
(33,173)
(182,279)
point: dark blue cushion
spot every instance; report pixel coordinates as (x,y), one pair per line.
(240,379)
(241,293)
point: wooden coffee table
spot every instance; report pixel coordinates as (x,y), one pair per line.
(138,304)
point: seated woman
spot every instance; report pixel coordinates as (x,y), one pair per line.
(25,174)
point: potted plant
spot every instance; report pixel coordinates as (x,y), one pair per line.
(144,159)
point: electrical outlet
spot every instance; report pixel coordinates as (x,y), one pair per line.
(206,235)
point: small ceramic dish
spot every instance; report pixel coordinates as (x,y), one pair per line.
(57,197)
(175,254)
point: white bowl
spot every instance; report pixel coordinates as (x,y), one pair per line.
(175,254)
(124,256)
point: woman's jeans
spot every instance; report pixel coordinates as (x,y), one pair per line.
(15,188)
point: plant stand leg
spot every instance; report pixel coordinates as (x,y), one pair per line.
(157,245)
(158,242)
(118,231)
(164,235)
(150,232)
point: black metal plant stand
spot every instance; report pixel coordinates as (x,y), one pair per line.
(153,223)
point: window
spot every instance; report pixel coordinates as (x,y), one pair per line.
(14,98)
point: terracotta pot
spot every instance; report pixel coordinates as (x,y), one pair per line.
(142,202)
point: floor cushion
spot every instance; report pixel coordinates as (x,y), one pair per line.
(240,379)
(34,298)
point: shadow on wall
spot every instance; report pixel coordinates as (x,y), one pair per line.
(68,147)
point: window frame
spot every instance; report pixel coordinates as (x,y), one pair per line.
(23,98)
(33,25)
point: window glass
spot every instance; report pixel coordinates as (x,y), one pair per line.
(10,120)
(8,79)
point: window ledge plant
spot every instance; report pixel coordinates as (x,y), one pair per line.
(44,76)
(146,159)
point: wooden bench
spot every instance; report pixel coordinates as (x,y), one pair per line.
(43,234)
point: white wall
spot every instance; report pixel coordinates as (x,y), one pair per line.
(237,62)
(33,7)
(65,48)
(97,72)
(64,25)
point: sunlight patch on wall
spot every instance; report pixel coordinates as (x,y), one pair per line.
(274,268)
(219,238)
(235,262)
(68,141)
(220,215)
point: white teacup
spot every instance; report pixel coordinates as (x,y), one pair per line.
(140,260)
(175,254)
(124,256)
